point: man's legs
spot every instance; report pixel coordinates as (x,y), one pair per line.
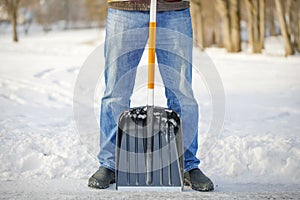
(123,51)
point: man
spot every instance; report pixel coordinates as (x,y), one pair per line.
(126,37)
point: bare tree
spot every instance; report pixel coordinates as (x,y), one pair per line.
(96,11)
(217,32)
(284,28)
(296,18)
(298,25)
(197,20)
(12,9)
(229,12)
(270,17)
(262,22)
(292,11)
(256,24)
(222,8)
(235,28)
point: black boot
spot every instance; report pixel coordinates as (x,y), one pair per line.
(198,181)
(102,178)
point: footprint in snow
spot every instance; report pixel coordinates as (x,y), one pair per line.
(73,70)
(14,98)
(44,74)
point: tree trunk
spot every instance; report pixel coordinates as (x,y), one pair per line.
(217,34)
(294,28)
(197,23)
(270,17)
(12,9)
(256,43)
(222,8)
(262,22)
(255,11)
(250,9)
(284,29)
(288,15)
(297,18)
(14,23)
(235,26)
(272,26)
(194,19)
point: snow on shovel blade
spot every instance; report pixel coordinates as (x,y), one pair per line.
(149,150)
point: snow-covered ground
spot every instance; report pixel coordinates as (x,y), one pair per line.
(42,154)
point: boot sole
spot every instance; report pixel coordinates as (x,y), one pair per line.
(93,183)
(203,189)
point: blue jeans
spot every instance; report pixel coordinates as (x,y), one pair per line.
(126,38)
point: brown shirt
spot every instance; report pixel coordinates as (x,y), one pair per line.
(144,5)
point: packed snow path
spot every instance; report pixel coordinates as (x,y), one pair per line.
(76,189)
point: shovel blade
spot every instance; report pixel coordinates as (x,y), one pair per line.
(149,150)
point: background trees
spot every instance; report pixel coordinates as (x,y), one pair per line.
(68,14)
(222,23)
(250,21)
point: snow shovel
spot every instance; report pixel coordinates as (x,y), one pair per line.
(149,148)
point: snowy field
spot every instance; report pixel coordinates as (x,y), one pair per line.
(43,156)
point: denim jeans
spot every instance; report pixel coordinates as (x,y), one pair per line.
(126,38)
